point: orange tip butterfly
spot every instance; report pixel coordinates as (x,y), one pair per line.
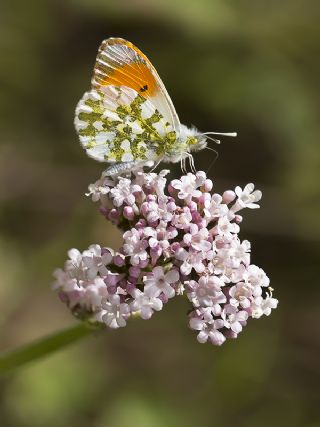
(127,119)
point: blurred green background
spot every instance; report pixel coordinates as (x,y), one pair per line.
(234,65)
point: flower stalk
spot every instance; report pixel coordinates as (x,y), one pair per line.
(10,360)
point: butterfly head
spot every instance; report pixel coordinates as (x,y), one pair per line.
(192,139)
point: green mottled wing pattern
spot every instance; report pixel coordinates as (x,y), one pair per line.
(116,124)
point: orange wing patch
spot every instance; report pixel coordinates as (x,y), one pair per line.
(135,76)
(120,63)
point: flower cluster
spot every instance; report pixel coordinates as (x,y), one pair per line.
(179,238)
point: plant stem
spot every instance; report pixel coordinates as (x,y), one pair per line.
(12,359)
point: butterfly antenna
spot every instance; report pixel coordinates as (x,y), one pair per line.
(214,160)
(154,166)
(217,141)
(232,134)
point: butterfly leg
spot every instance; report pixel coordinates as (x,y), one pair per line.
(155,165)
(183,165)
(191,163)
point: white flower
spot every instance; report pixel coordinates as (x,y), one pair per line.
(263,306)
(61,278)
(145,304)
(230,257)
(241,294)
(221,262)
(256,276)
(187,186)
(95,293)
(116,313)
(213,208)
(208,329)
(74,266)
(234,319)
(207,293)
(135,246)
(200,178)
(153,181)
(160,282)
(123,192)
(198,239)
(226,228)
(269,304)
(74,293)
(191,259)
(74,261)
(96,261)
(99,188)
(183,219)
(246,198)
(158,239)
(240,252)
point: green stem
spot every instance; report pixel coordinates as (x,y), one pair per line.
(12,359)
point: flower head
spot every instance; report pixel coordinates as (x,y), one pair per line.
(179,238)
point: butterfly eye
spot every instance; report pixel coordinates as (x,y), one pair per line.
(144,88)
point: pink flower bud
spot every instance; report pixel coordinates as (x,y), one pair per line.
(128,213)
(119,260)
(238,219)
(207,185)
(134,271)
(228,196)
(113,215)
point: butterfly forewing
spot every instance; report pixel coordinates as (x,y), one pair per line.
(120,63)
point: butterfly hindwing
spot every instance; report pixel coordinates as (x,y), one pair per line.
(116,124)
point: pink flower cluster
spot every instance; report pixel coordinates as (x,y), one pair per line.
(179,238)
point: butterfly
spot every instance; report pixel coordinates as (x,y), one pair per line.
(127,119)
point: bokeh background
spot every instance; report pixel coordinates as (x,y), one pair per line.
(229,65)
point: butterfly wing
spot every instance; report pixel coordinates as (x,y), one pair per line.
(120,63)
(117,124)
